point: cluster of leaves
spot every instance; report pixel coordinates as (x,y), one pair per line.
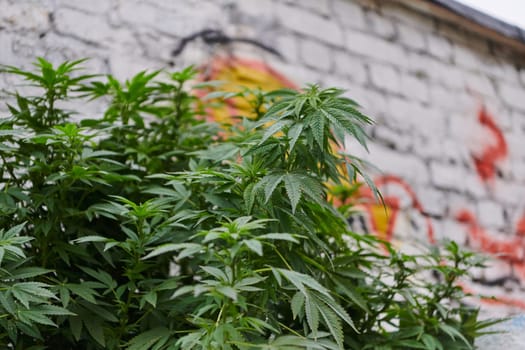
(147,229)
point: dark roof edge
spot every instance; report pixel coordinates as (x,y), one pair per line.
(483,19)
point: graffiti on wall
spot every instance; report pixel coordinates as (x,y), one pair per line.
(486,161)
(403,215)
(506,249)
(400,215)
(405,219)
(237,74)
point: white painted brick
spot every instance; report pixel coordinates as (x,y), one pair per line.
(444,98)
(93,6)
(493,68)
(253,8)
(6,53)
(82,25)
(411,37)
(335,81)
(380,25)
(522,76)
(385,77)
(410,232)
(505,170)
(474,185)
(440,47)
(518,171)
(316,55)
(25,15)
(123,40)
(436,147)
(445,74)
(397,111)
(496,269)
(406,166)
(310,24)
(452,231)
(124,67)
(458,35)
(508,192)
(414,87)
(404,15)
(479,83)
(513,95)
(429,122)
(417,63)
(446,176)
(353,147)
(349,14)
(518,121)
(515,145)
(191,55)
(374,47)
(372,102)
(296,73)
(288,46)
(457,202)
(385,135)
(490,214)
(501,114)
(462,127)
(428,148)
(187,20)
(350,66)
(510,73)
(455,152)
(156,45)
(467,58)
(319,6)
(175,5)
(26,46)
(433,201)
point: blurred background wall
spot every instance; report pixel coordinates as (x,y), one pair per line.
(446,86)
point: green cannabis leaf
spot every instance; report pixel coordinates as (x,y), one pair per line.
(149,228)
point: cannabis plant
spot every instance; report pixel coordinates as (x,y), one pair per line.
(149,228)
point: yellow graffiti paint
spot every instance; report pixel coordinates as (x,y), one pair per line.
(381,220)
(238,74)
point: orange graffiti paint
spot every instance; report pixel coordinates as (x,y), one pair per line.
(520,227)
(511,249)
(236,75)
(384,221)
(498,301)
(486,161)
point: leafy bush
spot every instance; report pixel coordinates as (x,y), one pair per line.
(149,228)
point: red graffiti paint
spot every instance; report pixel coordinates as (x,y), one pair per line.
(393,205)
(510,250)
(499,301)
(502,300)
(520,227)
(486,161)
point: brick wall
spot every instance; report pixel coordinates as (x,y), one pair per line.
(449,104)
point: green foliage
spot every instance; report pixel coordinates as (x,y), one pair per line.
(147,229)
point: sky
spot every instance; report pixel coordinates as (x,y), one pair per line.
(511,11)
